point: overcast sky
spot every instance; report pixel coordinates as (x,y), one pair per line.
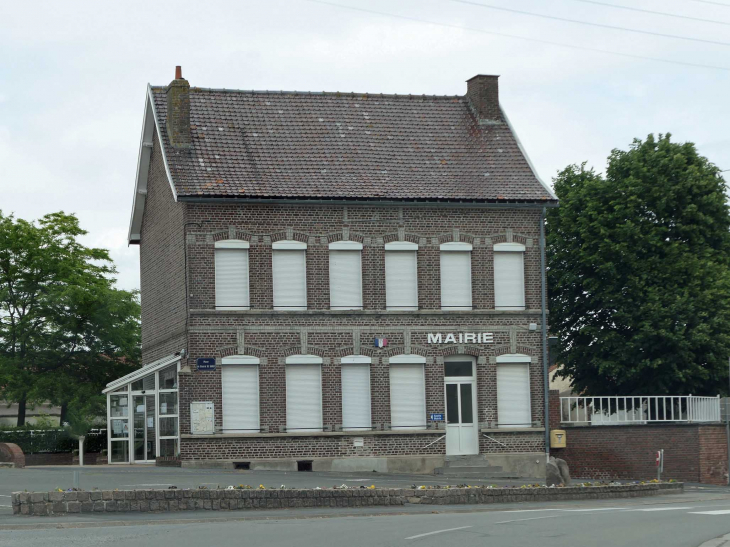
(73,77)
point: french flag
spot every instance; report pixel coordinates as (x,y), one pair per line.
(380,342)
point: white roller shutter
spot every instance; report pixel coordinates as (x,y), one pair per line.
(345,280)
(513,395)
(455,280)
(231,279)
(509,280)
(290,279)
(303,398)
(356,397)
(240,393)
(401,281)
(407,397)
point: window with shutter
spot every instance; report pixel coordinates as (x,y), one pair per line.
(303,394)
(401,279)
(356,393)
(513,392)
(407,396)
(240,394)
(345,275)
(231,275)
(289,275)
(456,276)
(509,276)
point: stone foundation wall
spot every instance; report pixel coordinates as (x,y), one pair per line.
(120,501)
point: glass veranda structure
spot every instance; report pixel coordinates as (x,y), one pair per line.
(142,413)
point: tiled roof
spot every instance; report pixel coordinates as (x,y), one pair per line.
(257,144)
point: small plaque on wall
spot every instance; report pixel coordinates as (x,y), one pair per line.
(202,418)
(206,363)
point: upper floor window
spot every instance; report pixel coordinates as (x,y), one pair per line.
(401,279)
(289,265)
(345,275)
(456,276)
(231,275)
(509,276)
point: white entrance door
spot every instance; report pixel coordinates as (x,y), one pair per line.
(462,426)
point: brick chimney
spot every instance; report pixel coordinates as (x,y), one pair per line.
(482,92)
(178,111)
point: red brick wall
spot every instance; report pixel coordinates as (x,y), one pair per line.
(162,273)
(692,453)
(274,335)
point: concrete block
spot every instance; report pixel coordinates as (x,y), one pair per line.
(95,495)
(70,496)
(37,497)
(130,495)
(107,495)
(83,496)
(99,507)
(118,495)
(59,508)
(87,506)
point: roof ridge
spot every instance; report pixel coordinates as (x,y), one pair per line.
(334,93)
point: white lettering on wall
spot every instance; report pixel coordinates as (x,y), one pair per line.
(462,337)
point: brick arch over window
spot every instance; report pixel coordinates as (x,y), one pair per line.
(238,234)
(401,350)
(340,236)
(290,235)
(502,238)
(522,350)
(449,238)
(350,350)
(310,350)
(460,349)
(389,238)
(233,350)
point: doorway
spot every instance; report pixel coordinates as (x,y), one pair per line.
(462,426)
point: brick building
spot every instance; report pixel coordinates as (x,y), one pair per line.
(347,281)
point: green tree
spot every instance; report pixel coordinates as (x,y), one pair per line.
(639,273)
(64,328)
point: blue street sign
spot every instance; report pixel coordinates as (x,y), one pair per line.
(437,417)
(206,363)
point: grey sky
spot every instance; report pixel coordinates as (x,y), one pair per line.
(73,78)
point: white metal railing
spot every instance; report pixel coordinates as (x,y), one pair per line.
(637,409)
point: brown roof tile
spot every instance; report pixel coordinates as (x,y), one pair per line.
(349,146)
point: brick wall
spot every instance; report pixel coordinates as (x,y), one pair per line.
(692,452)
(162,273)
(272,336)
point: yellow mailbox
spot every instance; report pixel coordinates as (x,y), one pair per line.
(557,438)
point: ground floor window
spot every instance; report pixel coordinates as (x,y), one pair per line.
(407,392)
(240,394)
(303,393)
(356,393)
(513,391)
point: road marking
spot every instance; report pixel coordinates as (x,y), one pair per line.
(533,518)
(596,509)
(722,512)
(663,509)
(438,532)
(5,495)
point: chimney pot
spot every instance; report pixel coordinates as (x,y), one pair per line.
(482,92)
(178,72)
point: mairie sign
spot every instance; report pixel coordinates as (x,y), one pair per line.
(461,338)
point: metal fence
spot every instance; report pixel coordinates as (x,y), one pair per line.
(617,410)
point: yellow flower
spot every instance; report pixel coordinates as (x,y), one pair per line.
(262,487)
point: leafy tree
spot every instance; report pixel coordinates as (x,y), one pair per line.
(639,273)
(64,328)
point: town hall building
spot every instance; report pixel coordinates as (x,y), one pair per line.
(335,281)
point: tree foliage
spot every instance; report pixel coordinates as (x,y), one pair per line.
(639,273)
(65,330)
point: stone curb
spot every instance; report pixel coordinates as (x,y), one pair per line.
(158,501)
(722,541)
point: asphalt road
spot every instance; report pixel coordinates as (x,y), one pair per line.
(685,520)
